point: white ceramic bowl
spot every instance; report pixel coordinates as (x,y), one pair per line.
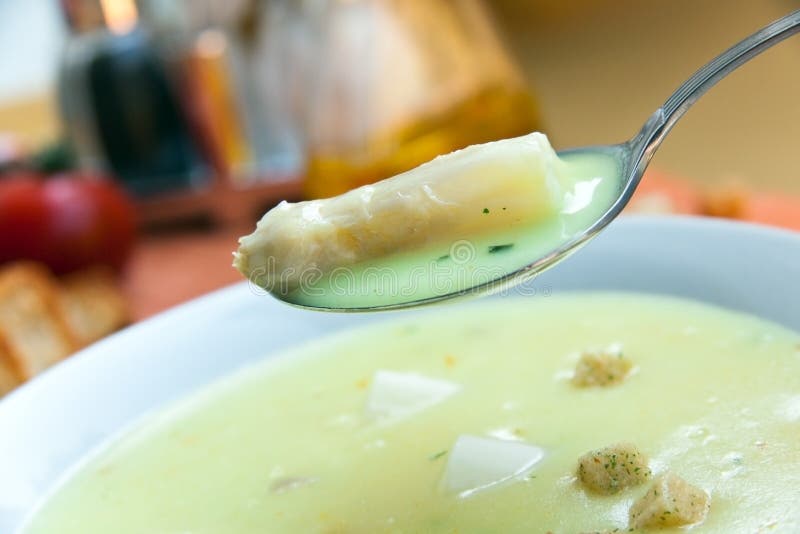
(52,422)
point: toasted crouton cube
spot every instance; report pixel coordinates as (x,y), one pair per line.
(670,502)
(602,368)
(613,468)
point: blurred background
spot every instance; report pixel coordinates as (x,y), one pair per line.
(139,138)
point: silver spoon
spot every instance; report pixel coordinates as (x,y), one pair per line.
(632,156)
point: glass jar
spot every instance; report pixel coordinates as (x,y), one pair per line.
(390,84)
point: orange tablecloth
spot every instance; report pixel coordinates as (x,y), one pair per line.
(168,269)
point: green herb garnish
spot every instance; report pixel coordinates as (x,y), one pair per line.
(437,455)
(499,248)
(485,210)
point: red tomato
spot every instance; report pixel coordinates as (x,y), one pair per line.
(67,222)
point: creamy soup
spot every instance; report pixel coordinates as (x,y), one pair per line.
(477,420)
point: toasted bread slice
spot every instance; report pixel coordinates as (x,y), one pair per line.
(31,322)
(93,305)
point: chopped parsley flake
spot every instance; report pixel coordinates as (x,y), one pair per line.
(485,210)
(437,455)
(499,248)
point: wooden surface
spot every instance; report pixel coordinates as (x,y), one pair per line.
(601,67)
(33,121)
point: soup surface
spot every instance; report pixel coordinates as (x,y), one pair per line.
(466,421)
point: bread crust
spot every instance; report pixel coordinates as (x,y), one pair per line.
(92,304)
(32,324)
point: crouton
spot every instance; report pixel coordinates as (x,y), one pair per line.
(92,304)
(601,368)
(670,502)
(31,323)
(613,468)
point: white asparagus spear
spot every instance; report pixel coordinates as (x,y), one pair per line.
(457,196)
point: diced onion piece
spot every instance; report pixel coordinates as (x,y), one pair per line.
(476,463)
(395,394)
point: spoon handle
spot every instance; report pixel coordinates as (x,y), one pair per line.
(661,122)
